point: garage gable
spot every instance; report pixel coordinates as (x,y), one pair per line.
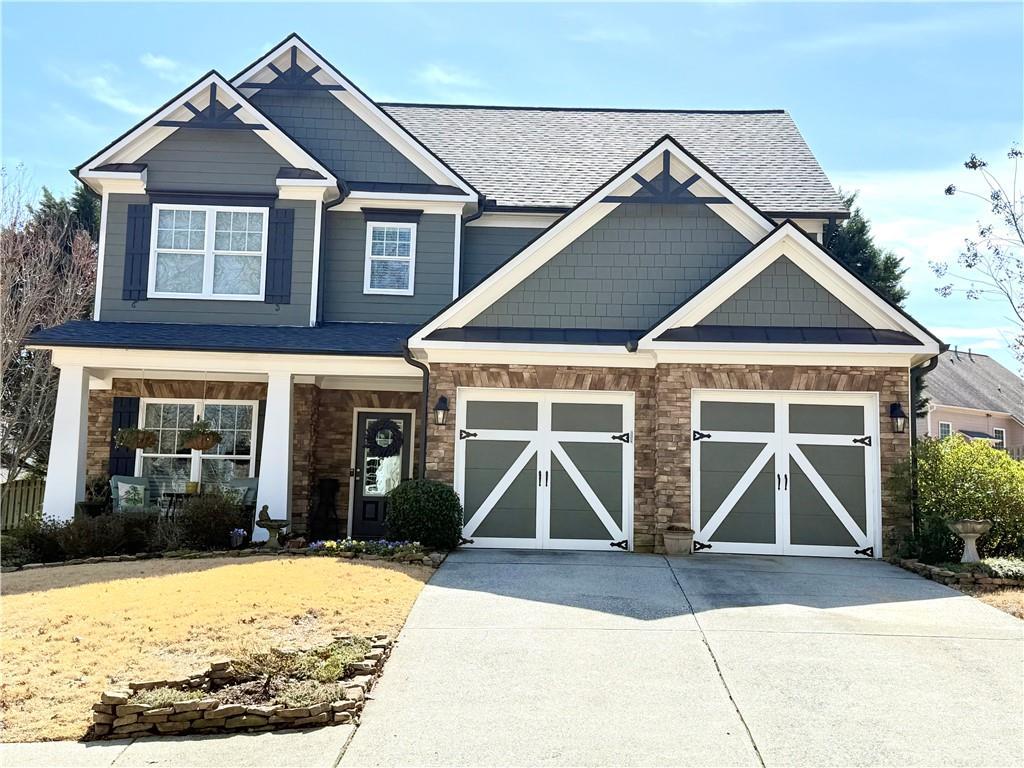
(650,237)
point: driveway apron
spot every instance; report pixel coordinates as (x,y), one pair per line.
(572,658)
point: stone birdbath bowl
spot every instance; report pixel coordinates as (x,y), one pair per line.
(969,531)
(271,526)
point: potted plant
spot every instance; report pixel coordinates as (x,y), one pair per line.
(678,539)
(201,436)
(134,438)
(97,498)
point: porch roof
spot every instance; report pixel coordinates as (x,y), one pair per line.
(365,339)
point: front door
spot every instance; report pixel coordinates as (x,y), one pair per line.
(383,452)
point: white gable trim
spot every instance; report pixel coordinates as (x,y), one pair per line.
(148,134)
(364,108)
(788,240)
(573,224)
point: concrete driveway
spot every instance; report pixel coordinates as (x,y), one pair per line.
(528,658)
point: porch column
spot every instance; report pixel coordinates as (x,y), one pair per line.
(276,454)
(65,476)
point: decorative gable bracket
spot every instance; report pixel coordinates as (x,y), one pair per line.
(295,78)
(214,117)
(665,189)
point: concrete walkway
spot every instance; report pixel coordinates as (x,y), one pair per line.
(529,658)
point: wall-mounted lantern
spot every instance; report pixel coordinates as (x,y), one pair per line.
(441,411)
(899,418)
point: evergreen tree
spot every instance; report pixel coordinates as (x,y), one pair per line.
(853,244)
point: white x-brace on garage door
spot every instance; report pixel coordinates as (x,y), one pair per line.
(545,469)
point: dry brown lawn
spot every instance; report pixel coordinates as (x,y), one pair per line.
(70,633)
(1010,599)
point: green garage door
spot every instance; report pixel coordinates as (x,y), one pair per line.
(785,473)
(545,470)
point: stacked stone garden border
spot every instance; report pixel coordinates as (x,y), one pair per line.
(971,579)
(433,559)
(116,716)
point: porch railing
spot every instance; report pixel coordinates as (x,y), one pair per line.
(18,499)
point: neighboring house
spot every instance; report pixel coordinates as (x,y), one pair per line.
(594,323)
(974,395)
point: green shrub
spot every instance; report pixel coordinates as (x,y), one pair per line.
(93,537)
(33,540)
(206,521)
(957,479)
(426,511)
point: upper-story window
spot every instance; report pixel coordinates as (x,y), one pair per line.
(208,252)
(1000,435)
(390,258)
(945,428)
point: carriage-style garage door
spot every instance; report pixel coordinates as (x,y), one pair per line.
(786,473)
(545,469)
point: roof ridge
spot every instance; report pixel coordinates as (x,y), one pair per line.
(586,109)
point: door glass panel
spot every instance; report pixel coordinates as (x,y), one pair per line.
(811,519)
(572,517)
(586,417)
(515,513)
(486,414)
(381,473)
(752,519)
(826,419)
(737,417)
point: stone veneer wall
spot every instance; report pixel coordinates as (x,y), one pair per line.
(662,440)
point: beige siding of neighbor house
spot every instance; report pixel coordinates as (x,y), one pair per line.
(971,420)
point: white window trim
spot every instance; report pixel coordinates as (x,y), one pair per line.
(411,226)
(196,457)
(999,433)
(208,253)
(948,424)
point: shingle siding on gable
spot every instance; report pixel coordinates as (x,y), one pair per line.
(113,308)
(200,160)
(344,259)
(336,137)
(486,248)
(784,296)
(627,272)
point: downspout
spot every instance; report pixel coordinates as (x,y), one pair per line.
(421,471)
(915,381)
(462,233)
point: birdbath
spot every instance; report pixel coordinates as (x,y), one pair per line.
(273,527)
(969,531)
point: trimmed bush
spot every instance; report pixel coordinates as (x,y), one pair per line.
(957,479)
(206,521)
(426,511)
(34,540)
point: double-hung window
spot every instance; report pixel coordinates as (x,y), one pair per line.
(945,428)
(390,258)
(1000,437)
(171,465)
(208,252)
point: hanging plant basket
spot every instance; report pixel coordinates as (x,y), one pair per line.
(200,436)
(134,438)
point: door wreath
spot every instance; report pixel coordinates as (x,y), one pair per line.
(383,438)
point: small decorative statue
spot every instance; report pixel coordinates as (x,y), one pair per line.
(273,527)
(969,531)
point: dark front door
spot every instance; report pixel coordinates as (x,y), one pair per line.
(384,444)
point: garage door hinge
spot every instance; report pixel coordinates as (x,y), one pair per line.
(866,440)
(624,437)
(867,551)
(463,434)
(699,545)
(464,540)
(701,435)
(624,544)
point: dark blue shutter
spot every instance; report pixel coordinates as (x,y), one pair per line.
(136,252)
(281,231)
(126,414)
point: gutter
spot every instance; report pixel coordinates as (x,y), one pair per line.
(422,464)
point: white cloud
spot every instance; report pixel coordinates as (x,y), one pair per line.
(167,68)
(440,76)
(612,33)
(101,88)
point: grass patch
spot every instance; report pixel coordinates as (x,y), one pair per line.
(1008,599)
(164,697)
(71,633)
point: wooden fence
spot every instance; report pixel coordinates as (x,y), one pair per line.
(19,498)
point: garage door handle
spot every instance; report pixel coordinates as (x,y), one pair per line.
(785,482)
(545,478)
(778,482)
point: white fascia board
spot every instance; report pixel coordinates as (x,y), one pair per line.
(228,362)
(115,182)
(367,110)
(353,204)
(769,355)
(315,192)
(141,138)
(567,229)
(392,197)
(967,409)
(787,240)
(515,220)
(531,354)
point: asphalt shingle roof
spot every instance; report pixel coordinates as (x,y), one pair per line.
(372,339)
(556,157)
(975,381)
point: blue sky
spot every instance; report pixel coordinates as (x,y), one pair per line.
(891,97)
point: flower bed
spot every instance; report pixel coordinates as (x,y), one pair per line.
(267,691)
(991,573)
